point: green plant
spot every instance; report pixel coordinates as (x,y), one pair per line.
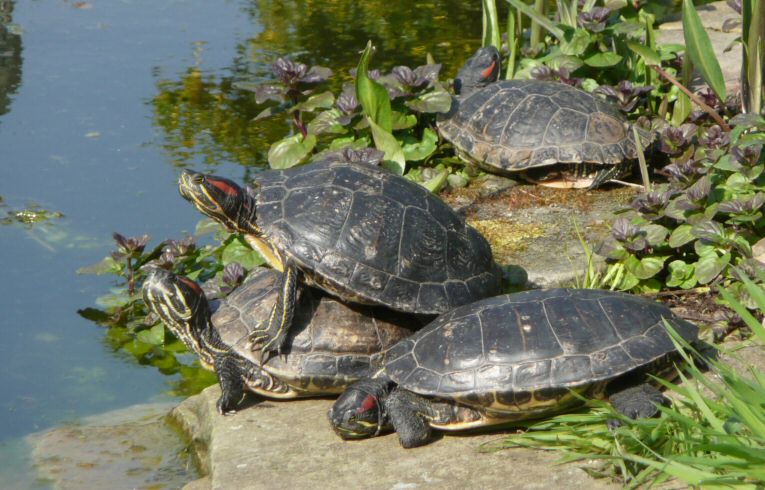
(393,111)
(130,326)
(712,435)
(689,231)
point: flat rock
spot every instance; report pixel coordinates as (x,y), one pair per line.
(535,228)
(290,444)
(132,447)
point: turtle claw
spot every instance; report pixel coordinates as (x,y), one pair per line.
(266,343)
(225,405)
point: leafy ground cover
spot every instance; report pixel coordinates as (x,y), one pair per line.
(697,227)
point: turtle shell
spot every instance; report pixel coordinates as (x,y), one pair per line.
(517,125)
(522,353)
(369,236)
(330,343)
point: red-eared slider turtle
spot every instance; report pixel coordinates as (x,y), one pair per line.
(355,230)
(514,357)
(328,347)
(528,125)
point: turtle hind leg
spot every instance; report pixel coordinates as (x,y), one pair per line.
(641,401)
(409,414)
(610,172)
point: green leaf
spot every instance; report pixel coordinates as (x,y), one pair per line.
(700,50)
(207,225)
(401,120)
(681,275)
(648,267)
(107,266)
(271,111)
(153,336)
(655,234)
(350,142)
(681,235)
(650,56)
(137,348)
(238,251)
(323,100)
(371,95)
(576,42)
(387,143)
(709,266)
(602,60)
(435,101)
(434,184)
(291,151)
(117,299)
(326,122)
(419,150)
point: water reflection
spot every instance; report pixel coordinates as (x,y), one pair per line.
(205,120)
(10,55)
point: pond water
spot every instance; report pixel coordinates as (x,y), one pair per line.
(101,104)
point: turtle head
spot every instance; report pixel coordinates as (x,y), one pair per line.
(359,411)
(480,70)
(182,306)
(220,199)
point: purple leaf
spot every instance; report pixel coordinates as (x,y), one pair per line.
(316,74)
(233,274)
(347,101)
(269,92)
(371,156)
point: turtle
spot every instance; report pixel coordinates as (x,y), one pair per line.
(355,230)
(512,357)
(328,347)
(513,126)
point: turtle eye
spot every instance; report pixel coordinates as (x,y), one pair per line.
(197,178)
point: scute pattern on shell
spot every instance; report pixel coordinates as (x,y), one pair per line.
(330,343)
(512,350)
(515,125)
(368,235)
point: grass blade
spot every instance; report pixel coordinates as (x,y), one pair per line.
(700,50)
(512,43)
(538,18)
(491,35)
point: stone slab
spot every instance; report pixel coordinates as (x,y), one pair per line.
(127,448)
(535,228)
(289,444)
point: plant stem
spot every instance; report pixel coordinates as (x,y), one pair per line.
(678,292)
(130,276)
(299,123)
(536,30)
(718,119)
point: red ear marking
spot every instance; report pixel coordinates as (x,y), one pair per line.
(224,186)
(194,286)
(369,402)
(488,71)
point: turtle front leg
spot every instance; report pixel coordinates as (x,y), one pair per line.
(409,414)
(641,401)
(228,368)
(273,334)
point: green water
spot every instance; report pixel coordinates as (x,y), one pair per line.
(101,103)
